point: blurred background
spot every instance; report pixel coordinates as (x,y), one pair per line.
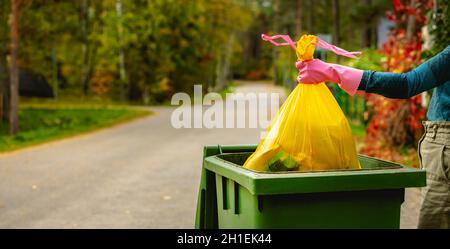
(142,52)
(72,66)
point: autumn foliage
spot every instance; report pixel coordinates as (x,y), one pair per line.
(395,125)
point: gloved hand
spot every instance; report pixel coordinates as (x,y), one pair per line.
(316,71)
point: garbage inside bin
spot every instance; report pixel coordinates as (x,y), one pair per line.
(231,196)
(310,131)
(282,161)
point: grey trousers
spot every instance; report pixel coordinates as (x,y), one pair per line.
(434,153)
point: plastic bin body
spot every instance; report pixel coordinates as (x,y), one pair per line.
(233,197)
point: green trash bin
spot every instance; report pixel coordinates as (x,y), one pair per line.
(234,197)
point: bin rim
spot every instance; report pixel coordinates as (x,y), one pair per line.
(394,166)
(268,183)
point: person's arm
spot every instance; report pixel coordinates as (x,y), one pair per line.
(432,73)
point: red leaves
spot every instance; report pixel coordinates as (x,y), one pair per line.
(417,9)
(391,16)
(398,122)
(398,6)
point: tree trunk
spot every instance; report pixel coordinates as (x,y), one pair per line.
(350,28)
(85,46)
(275,30)
(122,69)
(3,88)
(367,27)
(4,81)
(336,26)
(310,24)
(14,69)
(55,73)
(411,25)
(299,17)
(223,64)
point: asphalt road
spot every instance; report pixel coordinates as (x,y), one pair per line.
(144,174)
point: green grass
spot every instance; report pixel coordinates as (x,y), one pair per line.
(45,122)
(358,129)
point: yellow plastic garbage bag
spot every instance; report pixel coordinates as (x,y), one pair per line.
(309,132)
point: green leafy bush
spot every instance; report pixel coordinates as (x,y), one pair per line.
(370,59)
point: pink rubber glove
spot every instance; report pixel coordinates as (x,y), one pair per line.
(316,71)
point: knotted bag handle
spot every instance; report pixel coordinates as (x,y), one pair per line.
(320,43)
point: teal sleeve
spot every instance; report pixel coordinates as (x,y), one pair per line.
(432,73)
